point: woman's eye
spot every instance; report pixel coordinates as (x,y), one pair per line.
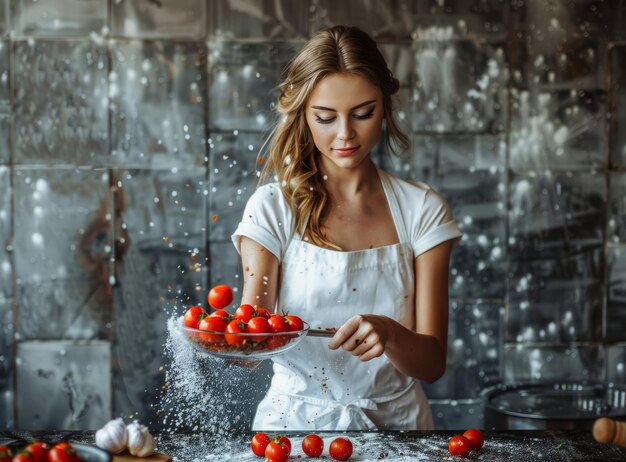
(324,121)
(364,116)
(328,120)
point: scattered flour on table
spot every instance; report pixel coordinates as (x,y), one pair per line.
(368,447)
(208,448)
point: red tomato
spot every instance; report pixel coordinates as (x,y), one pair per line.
(193,316)
(459,446)
(221,313)
(276,451)
(5,454)
(277,323)
(475,438)
(263,313)
(39,450)
(259,325)
(259,443)
(244,312)
(216,324)
(313,445)
(63,452)
(294,323)
(340,449)
(235,327)
(220,296)
(276,341)
(283,439)
(23,456)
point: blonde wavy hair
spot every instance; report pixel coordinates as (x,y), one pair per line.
(290,155)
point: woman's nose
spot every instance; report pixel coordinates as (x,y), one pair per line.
(346,131)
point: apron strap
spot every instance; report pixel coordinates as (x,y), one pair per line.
(396,213)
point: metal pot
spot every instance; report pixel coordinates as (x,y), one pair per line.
(562,405)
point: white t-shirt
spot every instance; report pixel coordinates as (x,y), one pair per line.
(268,220)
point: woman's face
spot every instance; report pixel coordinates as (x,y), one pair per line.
(345,114)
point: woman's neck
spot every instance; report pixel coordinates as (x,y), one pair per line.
(348,183)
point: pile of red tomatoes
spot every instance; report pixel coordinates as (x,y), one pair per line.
(222,327)
(38,451)
(278,448)
(462,445)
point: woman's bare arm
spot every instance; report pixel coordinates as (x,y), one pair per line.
(260,275)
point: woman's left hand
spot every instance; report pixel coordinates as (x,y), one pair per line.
(364,335)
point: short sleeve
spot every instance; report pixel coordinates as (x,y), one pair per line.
(266,220)
(435,224)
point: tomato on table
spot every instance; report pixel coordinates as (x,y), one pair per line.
(220,296)
(5,454)
(313,445)
(63,452)
(475,438)
(459,446)
(259,443)
(39,450)
(286,441)
(213,323)
(277,451)
(259,325)
(193,316)
(340,449)
(245,312)
(235,327)
(23,456)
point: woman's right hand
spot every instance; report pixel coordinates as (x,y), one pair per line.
(364,336)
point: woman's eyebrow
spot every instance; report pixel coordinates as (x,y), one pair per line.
(322,108)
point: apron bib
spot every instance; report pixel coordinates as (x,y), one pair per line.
(315,388)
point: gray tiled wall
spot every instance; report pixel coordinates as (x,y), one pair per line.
(128,140)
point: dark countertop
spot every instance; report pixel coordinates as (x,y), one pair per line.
(518,446)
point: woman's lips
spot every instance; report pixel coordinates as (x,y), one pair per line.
(345,151)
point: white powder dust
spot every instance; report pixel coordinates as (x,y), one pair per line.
(200,391)
(397,447)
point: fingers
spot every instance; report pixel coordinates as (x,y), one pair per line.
(345,332)
(369,348)
(374,352)
(359,337)
(361,346)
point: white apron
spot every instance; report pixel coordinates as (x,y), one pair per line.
(315,388)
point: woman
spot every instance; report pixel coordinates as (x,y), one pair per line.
(343,244)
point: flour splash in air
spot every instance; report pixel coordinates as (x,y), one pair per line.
(204,393)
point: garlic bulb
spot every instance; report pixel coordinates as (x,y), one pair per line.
(140,441)
(112,436)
